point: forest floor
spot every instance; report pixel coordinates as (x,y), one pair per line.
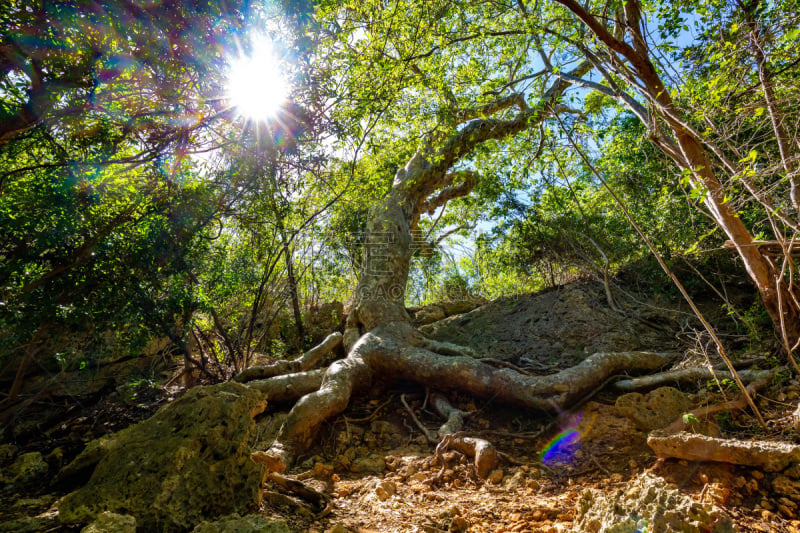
(381,472)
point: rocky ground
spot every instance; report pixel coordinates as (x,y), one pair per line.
(581,471)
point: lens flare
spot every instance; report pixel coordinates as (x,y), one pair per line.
(256,85)
(562,447)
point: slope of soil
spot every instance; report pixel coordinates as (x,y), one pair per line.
(382,474)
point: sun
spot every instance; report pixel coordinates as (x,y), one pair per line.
(256,86)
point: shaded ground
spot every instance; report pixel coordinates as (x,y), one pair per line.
(378,467)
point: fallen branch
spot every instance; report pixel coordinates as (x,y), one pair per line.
(305,362)
(430,435)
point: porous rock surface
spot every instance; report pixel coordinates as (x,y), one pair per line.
(243,524)
(107,522)
(28,469)
(654,410)
(648,503)
(190,461)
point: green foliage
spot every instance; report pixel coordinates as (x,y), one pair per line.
(571,227)
(100,209)
(110,228)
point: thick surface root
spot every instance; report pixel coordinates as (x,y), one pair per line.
(771,456)
(305,362)
(396,351)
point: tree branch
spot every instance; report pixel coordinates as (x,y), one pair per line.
(469,179)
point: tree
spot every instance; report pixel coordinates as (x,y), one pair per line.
(695,138)
(100,207)
(412,50)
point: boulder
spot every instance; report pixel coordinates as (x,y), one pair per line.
(28,469)
(654,410)
(648,503)
(188,462)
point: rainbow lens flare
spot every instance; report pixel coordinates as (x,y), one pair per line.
(562,447)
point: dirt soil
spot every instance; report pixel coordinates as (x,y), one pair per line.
(379,469)
(528,492)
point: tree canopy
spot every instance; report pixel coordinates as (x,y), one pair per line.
(136,201)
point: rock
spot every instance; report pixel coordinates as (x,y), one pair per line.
(338,528)
(647,503)
(515,481)
(243,524)
(385,490)
(459,524)
(429,314)
(787,487)
(561,326)
(28,469)
(107,522)
(191,460)
(654,410)
(495,476)
(372,464)
(793,471)
(7,453)
(34,524)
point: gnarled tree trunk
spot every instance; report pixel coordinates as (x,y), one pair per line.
(379,338)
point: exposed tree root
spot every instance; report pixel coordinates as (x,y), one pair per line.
(305,362)
(769,455)
(686,375)
(397,351)
(291,386)
(455,417)
(484,454)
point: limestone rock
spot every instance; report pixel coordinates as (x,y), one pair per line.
(385,490)
(372,464)
(243,524)
(561,325)
(647,504)
(429,314)
(654,410)
(27,469)
(7,453)
(189,461)
(31,524)
(788,487)
(111,523)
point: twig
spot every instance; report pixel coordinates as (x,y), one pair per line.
(430,435)
(372,416)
